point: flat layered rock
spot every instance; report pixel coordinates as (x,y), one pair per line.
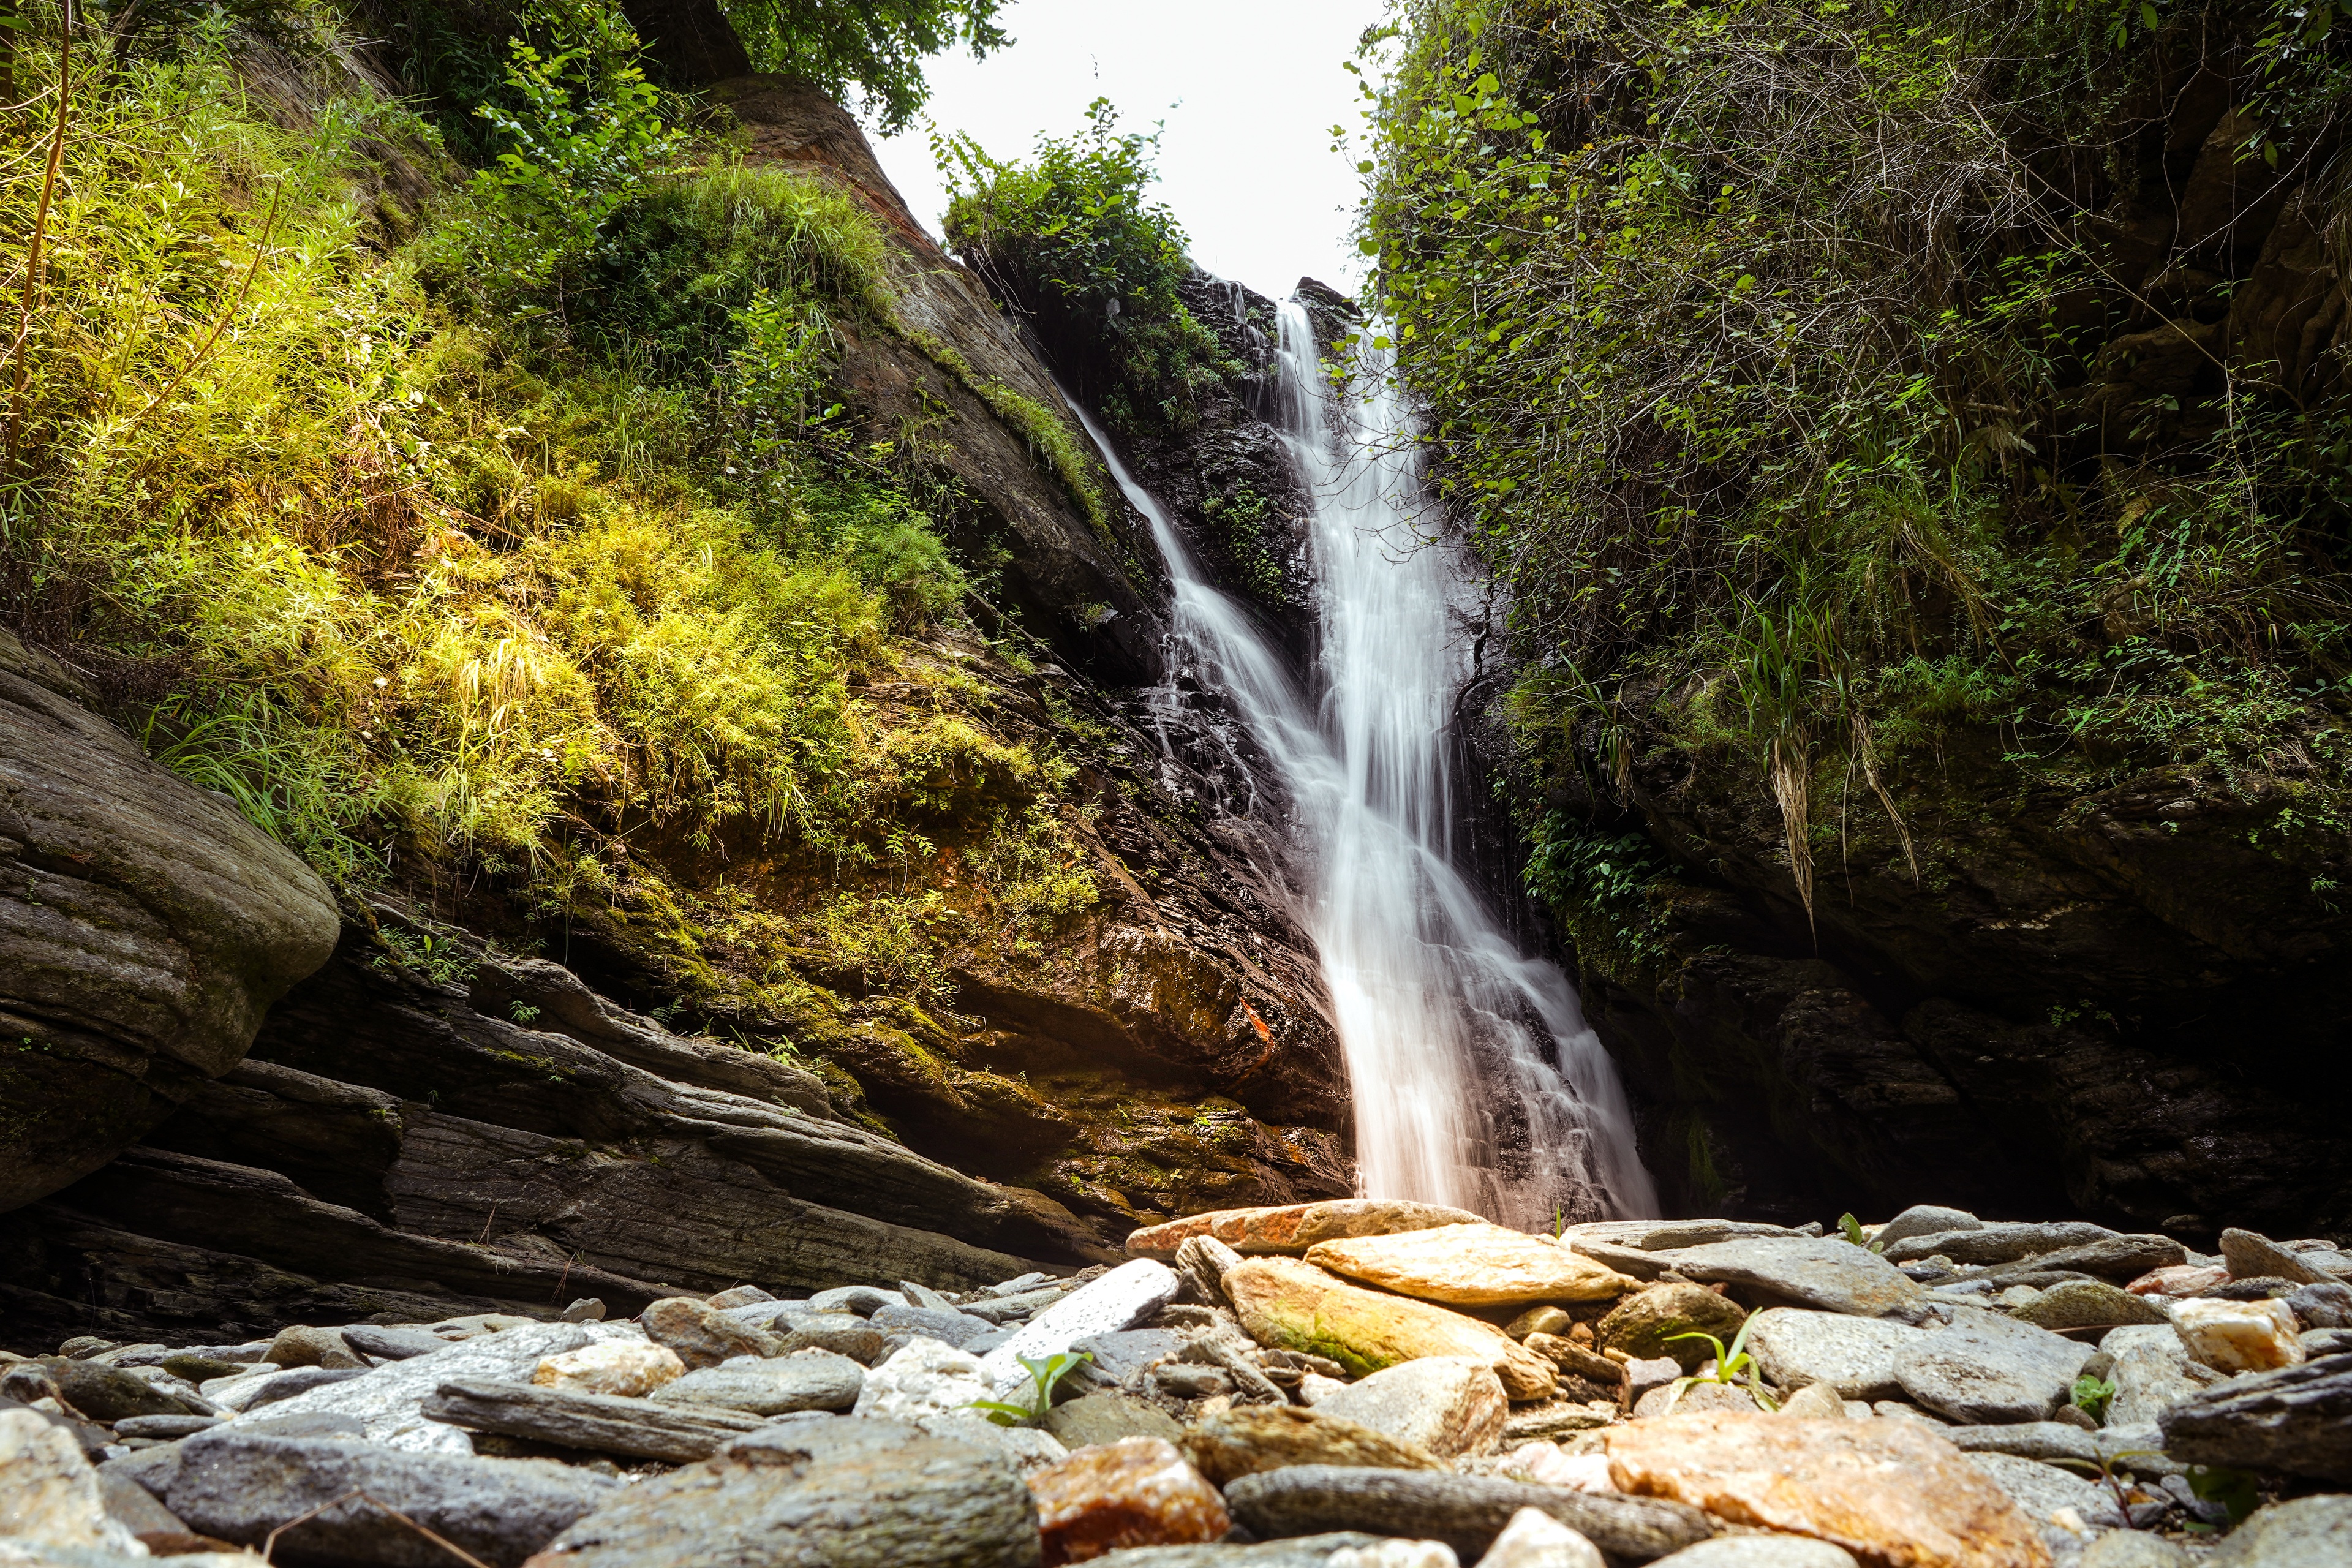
(2253,1256)
(1446,1405)
(2044,1494)
(598,1423)
(1119,1300)
(1986,1368)
(388,1402)
(1825,1272)
(1893,1493)
(1248,1439)
(2309,1532)
(2088,1304)
(1465,1512)
(1991,1244)
(2297,1419)
(1668,1235)
(2112,1258)
(1293,1305)
(1471,1266)
(813,1380)
(1292,1228)
(1924,1219)
(1795,1346)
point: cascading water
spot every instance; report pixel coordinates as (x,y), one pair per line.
(1475,1079)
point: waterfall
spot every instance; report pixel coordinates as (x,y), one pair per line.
(1474,1077)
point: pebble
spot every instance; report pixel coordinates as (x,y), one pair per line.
(2238,1336)
(1533,1539)
(1120,1356)
(1446,1406)
(1814,1402)
(1137,1491)
(1538,1319)
(925,1378)
(700,1336)
(1120,1299)
(1856,1356)
(1230,1444)
(629,1368)
(813,1379)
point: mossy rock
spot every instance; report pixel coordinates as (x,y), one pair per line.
(1642,1325)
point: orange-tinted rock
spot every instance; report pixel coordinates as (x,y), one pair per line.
(1137,1491)
(1472,1266)
(1294,1227)
(1894,1493)
(1297,1307)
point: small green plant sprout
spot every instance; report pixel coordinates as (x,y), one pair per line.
(1559,1222)
(1044,1374)
(2091,1396)
(1728,1365)
(1850,1228)
(522,1012)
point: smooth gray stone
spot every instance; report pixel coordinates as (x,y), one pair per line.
(948,1326)
(2297,1419)
(1105,1417)
(1924,1219)
(981,1345)
(818,1380)
(2326,1306)
(1120,1299)
(861,1300)
(1026,1282)
(1998,1243)
(1987,1368)
(1027,1448)
(306,1424)
(2117,1259)
(2150,1374)
(1825,1272)
(848,1492)
(1121,1355)
(2044,1440)
(134,1507)
(843,1334)
(2309,1532)
(1466,1512)
(599,1423)
(398,1342)
(301,1380)
(240,1485)
(2042,1489)
(1794,1346)
(2318,1343)
(1760,1552)
(1669,1235)
(388,1401)
(1004,1308)
(1630,1261)
(164,1426)
(1300,1552)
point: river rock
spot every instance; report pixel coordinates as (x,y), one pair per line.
(200,1367)
(1137,1491)
(1923,1219)
(1992,1244)
(109,1393)
(1578,1362)
(2297,1419)
(1640,1325)
(862,1300)
(1242,1441)
(1830,1274)
(951,1327)
(1202,1260)
(49,1493)
(301,1380)
(394,1343)
(239,1486)
(388,1401)
(1120,1299)
(1292,1228)
(2238,1336)
(1466,1512)
(2150,1374)
(1293,1305)
(1027,1449)
(1760,1552)
(2252,1256)
(2112,1257)
(1814,1402)
(1471,1266)
(1540,1320)
(1988,1368)
(1679,1398)
(630,1369)
(2045,1493)
(1549,1420)
(2088,1304)
(299,1346)
(165,1428)
(2183,1280)
(1446,1406)
(2309,1532)
(2326,1306)
(924,1378)
(1666,1235)
(1891,1493)
(843,1491)
(700,1336)
(1794,1346)
(843,1333)
(813,1379)
(1533,1539)
(1302,1551)
(2044,1440)
(1102,1417)
(2133,1549)
(1120,1356)
(597,1423)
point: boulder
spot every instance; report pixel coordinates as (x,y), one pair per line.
(2297,1419)
(1987,1368)
(145,928)
(2309,1532)
(1293,1305)
(813,1379)
(1230,1444)
(1830,1274)
(241,1486)
(1465,1512)
(1794,1346)
(1292,1228)
(1137,1491)
(1644,1324)
(1471,1266)
(596,1422)
(842,1491)
(1446,1406)
(2238,1336)
(1120,1299)
(1891,1493)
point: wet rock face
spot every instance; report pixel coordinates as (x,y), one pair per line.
(145,928)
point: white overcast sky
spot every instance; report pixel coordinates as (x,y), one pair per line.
(1249,89)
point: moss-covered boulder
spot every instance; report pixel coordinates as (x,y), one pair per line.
(1643,1325)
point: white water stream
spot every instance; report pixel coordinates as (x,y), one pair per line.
(1475,1079)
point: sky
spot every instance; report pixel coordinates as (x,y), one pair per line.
(1249,90)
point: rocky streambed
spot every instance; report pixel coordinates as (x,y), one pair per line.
(1345,1385)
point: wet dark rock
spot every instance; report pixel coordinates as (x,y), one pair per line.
(1466,1512)
(2297,1419)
